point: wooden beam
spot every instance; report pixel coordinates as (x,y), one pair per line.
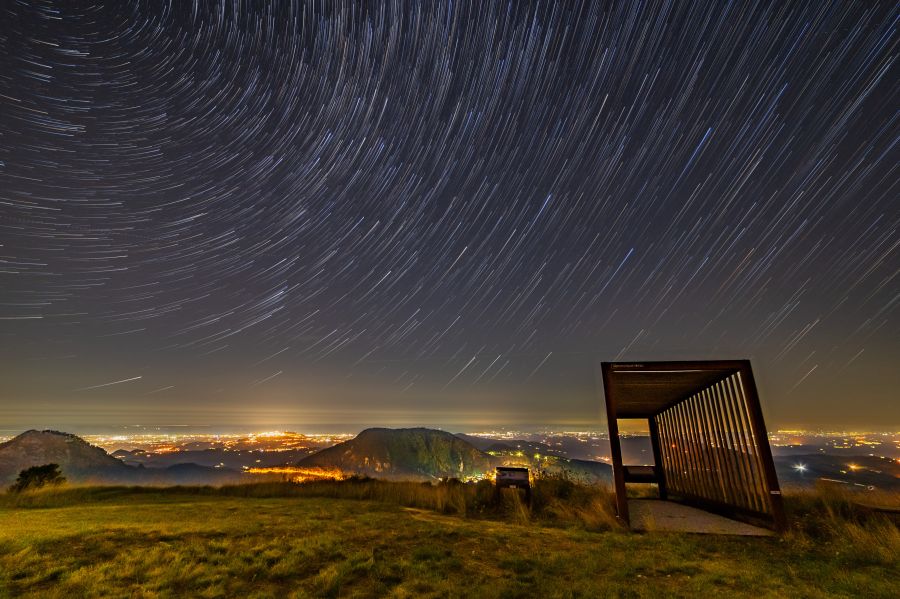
(615,449)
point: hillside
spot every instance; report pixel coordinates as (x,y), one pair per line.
(82,462)
(77,458)
(202,542)
(859,471)
(406,453)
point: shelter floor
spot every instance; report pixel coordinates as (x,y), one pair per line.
(668,516)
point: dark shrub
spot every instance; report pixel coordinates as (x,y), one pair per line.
(37,477)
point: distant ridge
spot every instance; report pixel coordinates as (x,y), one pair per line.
(77,458)
(392,454)
(82,462)
(428,454)
(404,453)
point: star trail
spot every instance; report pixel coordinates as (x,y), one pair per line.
(443,212)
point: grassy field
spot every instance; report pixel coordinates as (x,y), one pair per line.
(363,539)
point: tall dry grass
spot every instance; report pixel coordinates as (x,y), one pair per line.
(555,499)
(847,521)
(816,516)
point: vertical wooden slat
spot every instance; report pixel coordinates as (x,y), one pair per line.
(690,457)
(688,475)
(660,435)
(680,455)
(741,474)
(721,452)
(677,452)
(755,476)
(738,493)
(729,463)
(673,463)
(697,452)
(657,458)
(712,486)
(762,487)
(663,454)
(714,447)
(744,449)
(741,452)
(748,385)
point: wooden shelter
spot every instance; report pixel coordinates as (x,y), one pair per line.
(710,445)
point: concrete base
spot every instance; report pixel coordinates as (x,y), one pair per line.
(668,516)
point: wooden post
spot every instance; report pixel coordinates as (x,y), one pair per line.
(615,448)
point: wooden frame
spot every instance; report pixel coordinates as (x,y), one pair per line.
(709,439)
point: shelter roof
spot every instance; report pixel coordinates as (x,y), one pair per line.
(643,389)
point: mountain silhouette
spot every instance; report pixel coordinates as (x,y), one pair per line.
(405,453)
(82,462)
(76,458)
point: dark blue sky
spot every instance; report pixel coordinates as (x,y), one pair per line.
(442,212)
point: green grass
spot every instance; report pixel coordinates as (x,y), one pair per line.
(362,539)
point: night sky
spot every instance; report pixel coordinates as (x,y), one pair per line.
(442,212)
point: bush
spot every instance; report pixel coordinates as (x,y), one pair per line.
(37,477)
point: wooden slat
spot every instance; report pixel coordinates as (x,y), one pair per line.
(758,443)
(739,495)
(696,462)
(676,475)
(657,459)
(684,447)
(749,449)
(714,449)
(776,506)
(711,484)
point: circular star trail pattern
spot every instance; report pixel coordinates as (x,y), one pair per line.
(447,197)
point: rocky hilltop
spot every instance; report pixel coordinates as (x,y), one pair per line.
(405,453)
(82,462)
(77,458)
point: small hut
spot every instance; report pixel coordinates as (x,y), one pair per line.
(710,446)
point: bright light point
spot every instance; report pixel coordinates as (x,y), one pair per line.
(801,468)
